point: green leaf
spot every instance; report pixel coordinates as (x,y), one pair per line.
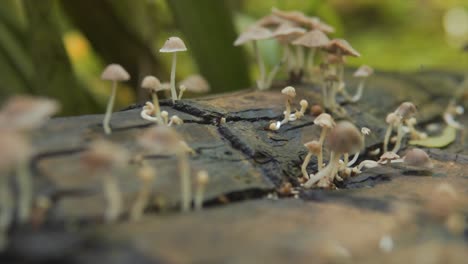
(448,136)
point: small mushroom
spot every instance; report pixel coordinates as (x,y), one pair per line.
(173,45)
(146,175)
(114,73)
(313,40)
(326,122)
(404,112)
(314,148)
(148,112)
(343,138)
(153,85)
(195,84)
(202,181)
(290,93)
(165,117)
(176,121)
(362,73)
(304,104)
(418,158)
(253,34)
(392,120)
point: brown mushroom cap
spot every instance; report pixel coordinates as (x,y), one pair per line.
(115,72)
(313,146)
(392,119)
(345,138)
(335,59)
(325,120)
(388,156)
(270,21)
(103,155)
(196,83)
(151,83)
(341,47)
(160,139)
(15,148)
(173,44)
(253,33)
(363,71)
(294,16)
(312,39)
(418,158)
(26,112)
(406,110)
(316,23)
(286,32)
(289,91)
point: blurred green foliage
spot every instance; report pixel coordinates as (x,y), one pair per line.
(57,48)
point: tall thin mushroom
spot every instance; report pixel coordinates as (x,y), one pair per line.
(114,73)
(362,73)
(173,45)
(326,122)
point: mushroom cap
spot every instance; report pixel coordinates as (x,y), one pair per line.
(389,155)
(304,103)
(253,33)
(312,39)
(294,16)
(313,146)
(173,44)
(286,32)
(324,120)
(151,83)
(202,177)
(341,47)
(418,158)
(289,91)
(335,59)
(26,112)
(160,139)
(406,110)
(102,155)
(115,72)
(392,119)
(345,138)
(15,148)
(270,21)
(316,23)
(176,120)
(363,71)
(196,83)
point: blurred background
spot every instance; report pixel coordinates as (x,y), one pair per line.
(58,48)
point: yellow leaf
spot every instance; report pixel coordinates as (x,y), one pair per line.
(448,136)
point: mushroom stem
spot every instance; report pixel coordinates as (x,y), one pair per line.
(368,164)
(181,93)
(261,66)
(202,180)
(310,60)
(25,191)
(353,160)
(275,70)
(400,134)
(157,109)
(304,165)
(185,183)
(323,134)
(6,210)
(359,91)
(110,106)
(388,133)
(141,201)
(287,113)
(330,170)
(173,71)
(289,58)
(113,198)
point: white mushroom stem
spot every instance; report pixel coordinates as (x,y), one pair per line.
(113,198)
(200,192)
(400,135)
(275,70)
(329,171)
(310,60)
(300,58)
(142,200)
(388,133)
(261,66)
(173,71)
(181,91)
(323,134)
(165,117)
(304,165)
(145,114)
(289,58)
(185,182)
(450,120)
(23,178)
(346,159)
(110,106)
(157,109)
(6,210)
(353,160)
(287,113)
(359,91)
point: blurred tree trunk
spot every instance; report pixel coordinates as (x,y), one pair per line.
(209,30)
(121,32)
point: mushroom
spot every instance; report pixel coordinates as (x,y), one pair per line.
(175,120)
(343,138)
(392,120)
(194,83)
(404,112)
(275,125)
(314,148)
(165,117)
(313,40)
(326,122)
(417,158)
(254,34)
(173,45)
(362,73)
(148,112)
(163,139)
(302,19)
(153,85)
(146,175)
(290,93)
(101,158)
(388,157)
(299,114)
(202,181)
(114,73)
(365,132)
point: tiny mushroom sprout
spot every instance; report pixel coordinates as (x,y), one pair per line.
(417,158)
(163,139)
(290,93)
(202,181)
(314,148)
(173,45)
(299,114)
(404,112)
(362,73)
(314,40)
(165,117)
(114,73)
(326,122)
(102,158)
(146,175)
(148,111)
(343,138)
(153,85)
(392,120)
(253,34)
(176,121)
(194,83)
